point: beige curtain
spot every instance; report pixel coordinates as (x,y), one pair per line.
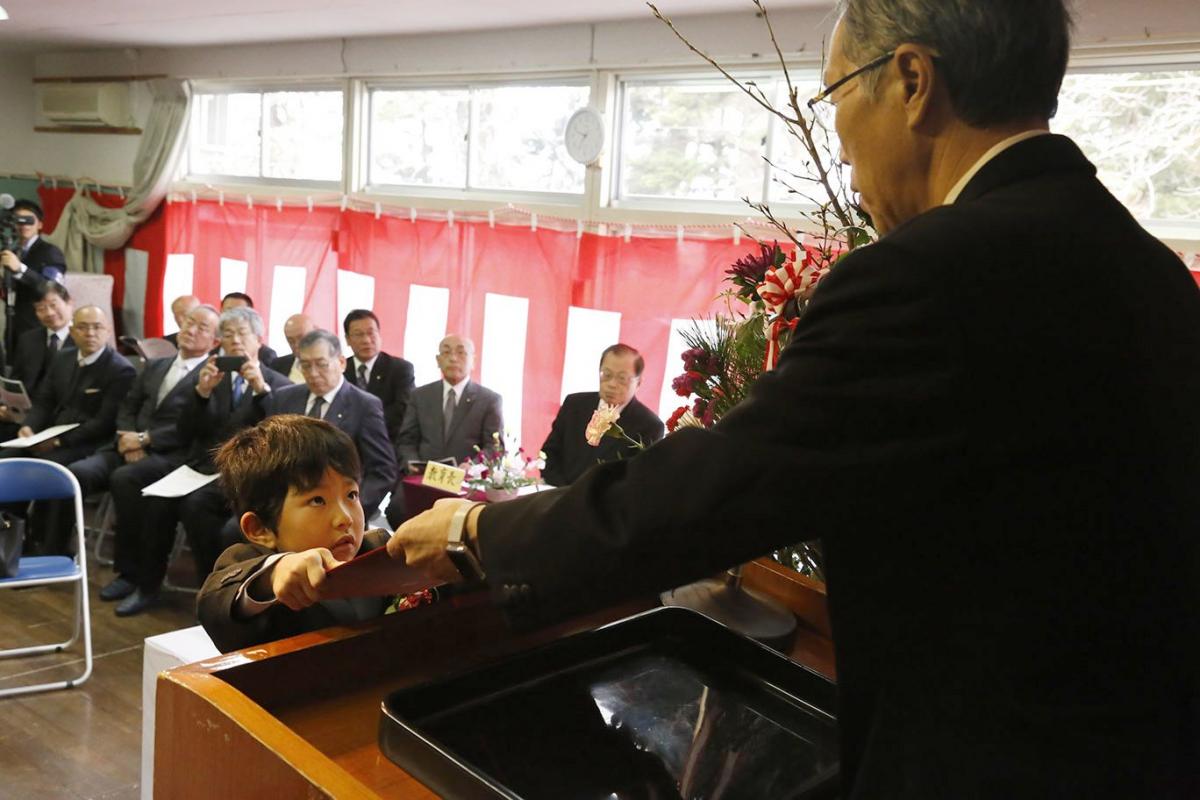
(86,229)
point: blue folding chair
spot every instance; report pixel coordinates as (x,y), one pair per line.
(24,479)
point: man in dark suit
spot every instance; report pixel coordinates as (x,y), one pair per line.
(148,446)
(266,355)
(294,329)
(37,347)
(180,308)
(326,395)
(568,452)
(32,262)
(388,377)
(219,405)
(1006,493)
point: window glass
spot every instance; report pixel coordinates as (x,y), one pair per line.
(302,135)
(224,134)
(518,139)
(419,137)
(1142,131)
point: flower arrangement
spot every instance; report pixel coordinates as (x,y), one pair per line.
(604,423)
(500,468)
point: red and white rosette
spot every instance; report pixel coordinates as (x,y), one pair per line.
(779,286)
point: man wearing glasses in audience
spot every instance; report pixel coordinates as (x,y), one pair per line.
(568,454)
(32,262)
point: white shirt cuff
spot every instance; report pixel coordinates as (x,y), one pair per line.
(246,605)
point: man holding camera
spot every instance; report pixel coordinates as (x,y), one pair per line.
(31,261)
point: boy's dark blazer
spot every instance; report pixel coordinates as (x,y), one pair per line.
(41,255)
(141,410)
(88,395)
(214,604)
(29,362)
(476,417)
(206,423)
(392,382)
(568,455)
(360,416)
(991,418)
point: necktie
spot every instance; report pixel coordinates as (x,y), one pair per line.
(448,413)
(362,376)
(315,409)
(174,375)
(239,385)
(52,345)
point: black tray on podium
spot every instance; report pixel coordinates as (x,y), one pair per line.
(664,704)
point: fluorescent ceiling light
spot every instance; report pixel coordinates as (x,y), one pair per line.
(3,14)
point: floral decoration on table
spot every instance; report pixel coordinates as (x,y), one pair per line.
(502,469)
(604,423)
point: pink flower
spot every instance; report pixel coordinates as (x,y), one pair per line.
(602,419)
(682,385)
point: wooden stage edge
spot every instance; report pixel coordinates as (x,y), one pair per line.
(300,717)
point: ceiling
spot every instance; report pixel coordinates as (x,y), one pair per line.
(87,24)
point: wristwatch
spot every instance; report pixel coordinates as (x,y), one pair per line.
(457,550)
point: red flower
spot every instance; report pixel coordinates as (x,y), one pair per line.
(673,422)
(682,385)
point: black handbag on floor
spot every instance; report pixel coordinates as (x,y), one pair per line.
(12,538)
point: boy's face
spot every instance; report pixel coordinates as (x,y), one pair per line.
(328,515)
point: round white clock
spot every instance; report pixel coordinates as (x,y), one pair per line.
(584,136)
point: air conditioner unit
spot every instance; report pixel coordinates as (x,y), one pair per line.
(99,104)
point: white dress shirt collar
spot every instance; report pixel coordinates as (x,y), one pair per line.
(328,397)
(457,388)
(92,359)
(995,150)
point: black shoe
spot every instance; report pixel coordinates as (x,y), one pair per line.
(117,589)
(136,603)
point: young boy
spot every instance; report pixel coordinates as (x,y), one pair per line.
(293,482)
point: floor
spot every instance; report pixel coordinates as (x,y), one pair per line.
(83,742)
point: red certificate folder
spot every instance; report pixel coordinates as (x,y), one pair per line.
(374,574)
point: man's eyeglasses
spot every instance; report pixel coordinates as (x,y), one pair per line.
(622,378)
(840,82)
(25,220)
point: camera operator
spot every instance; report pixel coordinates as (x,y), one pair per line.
(30,262)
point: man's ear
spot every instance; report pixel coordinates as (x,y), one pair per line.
(921,81)
(254,530)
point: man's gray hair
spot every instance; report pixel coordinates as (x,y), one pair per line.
(1002,60)
(242,314)
(205,307)
(318,335)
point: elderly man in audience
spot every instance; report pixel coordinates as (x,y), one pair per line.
(325,394)
(219,404)
(388,377)
(180,308)
(294,329)
(266,355)
(448,418)
(568,453)
(36,348)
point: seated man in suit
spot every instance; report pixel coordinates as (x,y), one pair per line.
(294,330)
(266,355)
(37,347)
(220,404)
(33,262)
(568,454)
(326,395)
(446,418)
(147,447)
(180,307)
(388,377)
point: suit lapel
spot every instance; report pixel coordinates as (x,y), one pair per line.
(339,407)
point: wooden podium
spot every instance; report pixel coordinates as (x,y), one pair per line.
(300,717)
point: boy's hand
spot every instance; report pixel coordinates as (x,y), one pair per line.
(297,577)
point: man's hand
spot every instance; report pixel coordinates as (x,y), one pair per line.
(208,378)
(46,446)
(253,376)
(24,431)
(126,441)
(297,577)
(421,541)
(4,415)
(134,456)
(10,261)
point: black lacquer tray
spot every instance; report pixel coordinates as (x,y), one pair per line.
(665,704)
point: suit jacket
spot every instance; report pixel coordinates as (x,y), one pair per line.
(568,455)
(29,362)
(283,364)
(392,382)
(476,417)
(205,423)
(1005,493)
(141,410)
(215,603)
(88,395)
(44,261)
(360,416)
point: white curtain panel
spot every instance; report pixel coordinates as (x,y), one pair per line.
(86,229)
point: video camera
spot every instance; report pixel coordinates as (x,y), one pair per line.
(8,223)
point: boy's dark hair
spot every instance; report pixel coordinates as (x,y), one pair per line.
(261,464)
(29,205)
(247,299)
(45,288)
(356,315)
